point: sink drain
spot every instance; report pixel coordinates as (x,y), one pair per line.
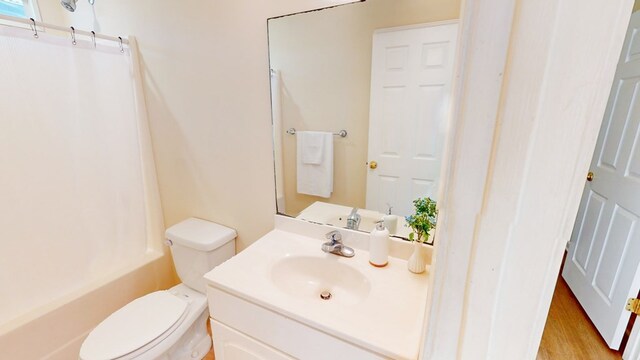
(325,295)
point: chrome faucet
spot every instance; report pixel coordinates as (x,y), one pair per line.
(353,221)
(335,245)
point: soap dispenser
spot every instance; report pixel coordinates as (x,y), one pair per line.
(390,221)
(379,246)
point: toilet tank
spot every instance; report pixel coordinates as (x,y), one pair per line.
(198,246)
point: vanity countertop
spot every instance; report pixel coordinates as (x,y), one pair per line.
(381,309)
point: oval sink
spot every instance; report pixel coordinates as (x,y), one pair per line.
(308,277)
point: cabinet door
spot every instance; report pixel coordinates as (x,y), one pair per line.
(228,344)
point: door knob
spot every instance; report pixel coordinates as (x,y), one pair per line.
(590,176)
(373,165)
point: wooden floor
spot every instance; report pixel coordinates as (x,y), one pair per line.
(210,355)
(569,334)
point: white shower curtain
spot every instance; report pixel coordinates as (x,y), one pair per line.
(71,187)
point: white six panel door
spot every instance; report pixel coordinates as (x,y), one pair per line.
(411,75)
(604,256)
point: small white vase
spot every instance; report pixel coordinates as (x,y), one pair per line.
(417,263)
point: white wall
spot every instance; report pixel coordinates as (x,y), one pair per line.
(206,80)
(51,12)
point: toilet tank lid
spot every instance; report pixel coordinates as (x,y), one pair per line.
(200,234)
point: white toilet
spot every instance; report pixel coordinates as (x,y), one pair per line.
(168,324)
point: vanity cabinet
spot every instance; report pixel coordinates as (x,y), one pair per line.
(244,330)
(267,302)
(229,344)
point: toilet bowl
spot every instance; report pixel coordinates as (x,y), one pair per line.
(167,324)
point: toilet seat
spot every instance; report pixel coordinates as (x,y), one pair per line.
(135,325)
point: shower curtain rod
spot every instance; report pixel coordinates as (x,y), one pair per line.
(62,28)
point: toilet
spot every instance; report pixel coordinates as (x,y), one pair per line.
(168,324)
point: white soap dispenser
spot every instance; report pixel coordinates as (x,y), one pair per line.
(379,246)
(390,221)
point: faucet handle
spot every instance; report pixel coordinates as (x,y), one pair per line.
(334,236)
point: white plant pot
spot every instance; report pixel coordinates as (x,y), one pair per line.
(417,262)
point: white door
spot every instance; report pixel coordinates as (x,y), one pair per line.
(411,75)
(604,256)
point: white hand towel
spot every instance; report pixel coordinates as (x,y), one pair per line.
(312,146)
(315,179)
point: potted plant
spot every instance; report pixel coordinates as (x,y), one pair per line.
(421,224)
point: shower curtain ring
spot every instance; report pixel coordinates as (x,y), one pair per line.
(73,35)
(121,47)
(93,38)
(34,28)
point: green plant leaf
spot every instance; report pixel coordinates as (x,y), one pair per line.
(423,220)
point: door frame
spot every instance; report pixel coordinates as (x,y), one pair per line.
(632,349)
(525,125)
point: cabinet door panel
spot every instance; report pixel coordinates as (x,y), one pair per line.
(229,344)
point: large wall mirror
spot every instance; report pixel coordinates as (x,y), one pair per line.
(361,99)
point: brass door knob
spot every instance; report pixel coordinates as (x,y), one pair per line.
(590,176)
(373,165)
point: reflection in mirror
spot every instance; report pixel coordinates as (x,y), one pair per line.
(380,70)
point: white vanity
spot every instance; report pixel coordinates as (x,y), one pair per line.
(265,303)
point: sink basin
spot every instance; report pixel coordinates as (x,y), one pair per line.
(309,277)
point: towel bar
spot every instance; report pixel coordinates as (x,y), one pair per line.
(341,133)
